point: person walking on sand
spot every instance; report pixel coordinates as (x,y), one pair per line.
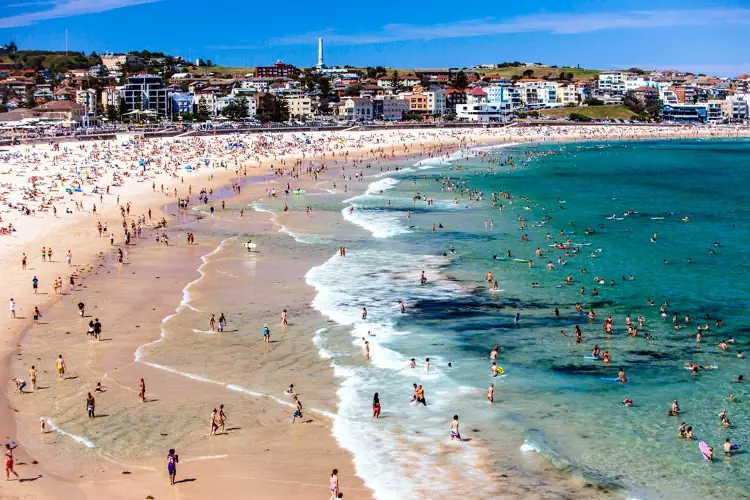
(221,419)
(37,315)
(23,262)
(222,322)
(32,377)
(9,461)
(35,284)
(90,405)
(172,461)
(212,322)
(142,391)
(297,411)
(12,308)
(266,334)
(333,484)
(61,367)
(283,318)
(214,416)
(69,257)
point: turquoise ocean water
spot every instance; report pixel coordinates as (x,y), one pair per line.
(551,401)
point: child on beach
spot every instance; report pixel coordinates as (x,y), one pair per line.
(172,460)
(454,429)
(333,484)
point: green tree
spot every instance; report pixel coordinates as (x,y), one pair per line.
(631,101)
(528,73)
(460,82)
(325,87)
(112,113)
(29,102)
(237,110)
(578,117)
(353,90)
(201,113)
(280,110)
(394,80)
(652,107)
(371,72)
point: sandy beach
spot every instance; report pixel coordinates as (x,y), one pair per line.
(155,306)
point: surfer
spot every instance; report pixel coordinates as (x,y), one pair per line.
(621,376)
(627,401)
(491,393)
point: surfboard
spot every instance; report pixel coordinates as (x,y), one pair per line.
(591,356)
(520,260)
(735,447)
(703,447)
(614,379)
(657,218)
(250,245)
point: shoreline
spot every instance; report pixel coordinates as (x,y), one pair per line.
(81,233)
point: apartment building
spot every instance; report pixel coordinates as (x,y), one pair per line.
(537,93)
(146,92)
(566,93)
(613,82)
(356,109)
(89,100)
(478,109)
(300,106)
(278,70)
(389,107)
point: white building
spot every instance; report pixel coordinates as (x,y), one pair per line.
(89,100)
(403,81)
(435,101)
(737,109)
(635,82)
(501,95)
(613,82)
(356,109)
(478,109)
(210,99)
(114,61)
(537,93)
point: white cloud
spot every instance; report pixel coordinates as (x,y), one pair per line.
(66,8)
(559,24)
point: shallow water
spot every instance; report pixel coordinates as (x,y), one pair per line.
(551,400)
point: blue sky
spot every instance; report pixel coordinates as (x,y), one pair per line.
(688,34)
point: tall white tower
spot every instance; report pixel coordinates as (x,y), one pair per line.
(320,64)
